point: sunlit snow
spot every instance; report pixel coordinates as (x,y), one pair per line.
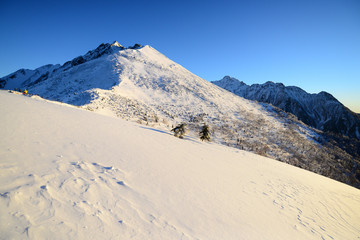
(67,173)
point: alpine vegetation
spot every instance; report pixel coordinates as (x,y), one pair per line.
(205,133)
(321,111)
(142,85)
(179,131)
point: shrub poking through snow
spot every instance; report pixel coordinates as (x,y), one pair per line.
(180,130)
(205,133)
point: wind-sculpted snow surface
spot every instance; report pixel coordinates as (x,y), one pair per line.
(142,85)
(67,173)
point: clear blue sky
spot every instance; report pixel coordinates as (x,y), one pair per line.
(313,44)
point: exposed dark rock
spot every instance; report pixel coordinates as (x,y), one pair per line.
(40,79)
(77,61)
(136,46)
(2,83)
(321,111)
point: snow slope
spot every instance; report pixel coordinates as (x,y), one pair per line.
(142,85)
(67,173)
(25,76)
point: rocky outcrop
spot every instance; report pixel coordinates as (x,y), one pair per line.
(321,111)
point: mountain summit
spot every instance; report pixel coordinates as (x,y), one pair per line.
(140,84)
(321,111)
(116,44)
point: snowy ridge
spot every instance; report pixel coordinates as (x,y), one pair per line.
(321,111)
(141,84)
(72,174)
(25,76)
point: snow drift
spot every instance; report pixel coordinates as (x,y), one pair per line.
(67,173)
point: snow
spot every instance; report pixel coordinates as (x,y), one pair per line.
(19,77)
(27,76)
(142,85)
(67,173)
(321,111)
(116,44)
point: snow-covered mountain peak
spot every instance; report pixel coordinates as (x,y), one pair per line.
(116,44)
(140,84)
(230,79)
(328,96)
(322,110)
(273,84)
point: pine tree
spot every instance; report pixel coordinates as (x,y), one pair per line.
(180,130)
(205,133)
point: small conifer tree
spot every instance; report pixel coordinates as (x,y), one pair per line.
(180,130)
(205,133)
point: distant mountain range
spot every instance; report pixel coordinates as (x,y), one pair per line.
(140,84)
(321,111)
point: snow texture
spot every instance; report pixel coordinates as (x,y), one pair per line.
(67,173)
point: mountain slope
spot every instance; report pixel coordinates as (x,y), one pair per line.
(72,174)
(321,111)
(25,76)
(141,84)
